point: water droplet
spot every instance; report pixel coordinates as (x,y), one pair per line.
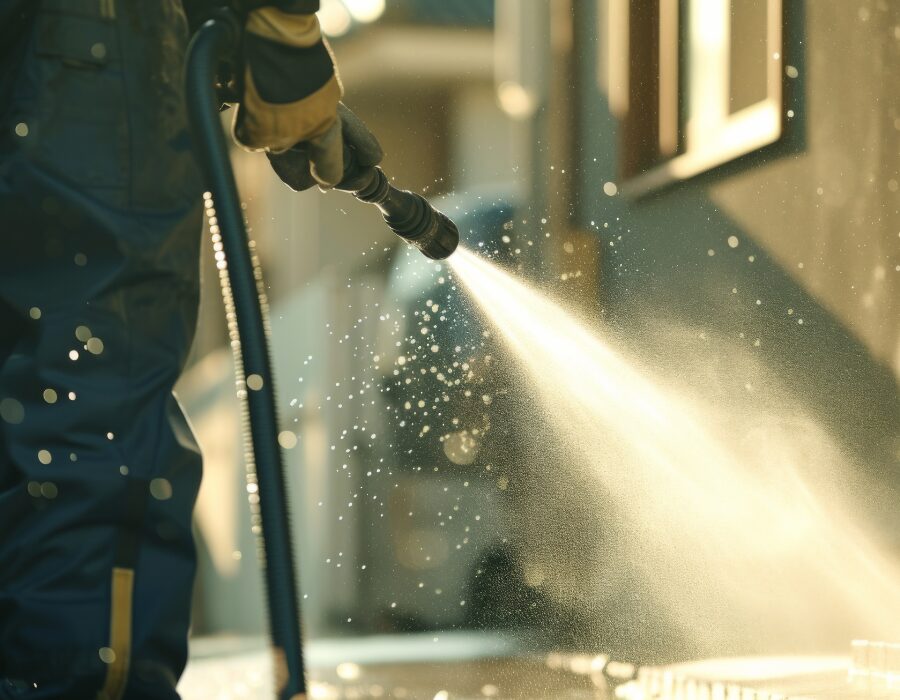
(83,333)
(348,671)
(80,259)
(94,346)
(254,382)
(34,312)
(44,457)
(107,655)
(50,396)
(11,411)
(733,242)
(287,439)
(161,489)
(22,129)
(610,189)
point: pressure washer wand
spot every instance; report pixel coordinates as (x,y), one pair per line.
(407,214)
(241,289)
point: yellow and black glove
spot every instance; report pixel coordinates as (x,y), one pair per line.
(360,145)
(291,90)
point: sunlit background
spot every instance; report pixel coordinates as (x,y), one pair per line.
(640,437)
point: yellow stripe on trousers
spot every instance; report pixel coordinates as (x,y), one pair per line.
(118,654)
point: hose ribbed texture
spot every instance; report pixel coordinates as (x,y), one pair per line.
(246,313)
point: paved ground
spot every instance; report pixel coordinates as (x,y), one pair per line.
(468,666)
(415,667)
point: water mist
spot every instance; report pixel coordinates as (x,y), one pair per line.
(739,543)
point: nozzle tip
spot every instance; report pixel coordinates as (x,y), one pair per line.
(440,244)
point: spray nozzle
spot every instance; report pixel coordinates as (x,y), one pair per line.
(407,214)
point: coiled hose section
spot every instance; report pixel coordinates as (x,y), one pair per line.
(242,291)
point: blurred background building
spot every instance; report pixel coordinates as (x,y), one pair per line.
(421,76)
(724,167)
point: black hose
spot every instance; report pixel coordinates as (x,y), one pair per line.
(242,282)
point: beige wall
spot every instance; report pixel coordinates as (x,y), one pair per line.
(830,215)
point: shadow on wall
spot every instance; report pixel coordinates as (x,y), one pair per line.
(675,258)
(740,298)
(703,301)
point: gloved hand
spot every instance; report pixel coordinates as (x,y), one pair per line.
(295,166)
(291,90)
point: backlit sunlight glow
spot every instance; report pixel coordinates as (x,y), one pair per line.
(723,534)
(334,18)
(365,10)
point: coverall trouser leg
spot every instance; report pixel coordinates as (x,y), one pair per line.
(100,225)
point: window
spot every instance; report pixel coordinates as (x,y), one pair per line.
(694,83)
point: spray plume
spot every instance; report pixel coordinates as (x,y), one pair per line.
(736,544)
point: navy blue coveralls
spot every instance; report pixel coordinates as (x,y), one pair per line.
(100,226)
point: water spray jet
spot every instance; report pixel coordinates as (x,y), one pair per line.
(720,532)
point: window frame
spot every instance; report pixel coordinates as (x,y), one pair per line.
(735,134)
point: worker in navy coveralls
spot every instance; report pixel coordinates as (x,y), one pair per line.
(100,229)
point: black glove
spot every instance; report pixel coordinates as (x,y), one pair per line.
(293,165)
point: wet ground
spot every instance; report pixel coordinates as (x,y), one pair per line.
(467,666)
(429,667)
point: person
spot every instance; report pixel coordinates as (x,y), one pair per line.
(100,223)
